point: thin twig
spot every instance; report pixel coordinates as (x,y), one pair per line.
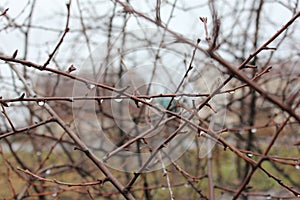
(62,37)
(98,182)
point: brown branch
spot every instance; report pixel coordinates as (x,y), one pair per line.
(7,117)
(255,86)
(98,182)
(157,11)
(4,12)
(25,129)
(62,37)
(258,165)
(8,172)
(231,68)
(81,145)
(255,194)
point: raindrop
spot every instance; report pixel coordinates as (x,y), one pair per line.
(48,171)
(250,155)
(253,130)
(139,104)
(297,167)
(182,132)
(41,103)
(232,92)
(101,100)
(90,86)
(177,98)
(149,100)
(118,100)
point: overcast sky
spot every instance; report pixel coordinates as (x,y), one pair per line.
(49,21)
(47,13)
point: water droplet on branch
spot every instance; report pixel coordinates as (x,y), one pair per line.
(177,98)
(118,100)
(149,100)
(250,155)
(90,86)
(139,104)
(253,130)
(41,103)
(48,171)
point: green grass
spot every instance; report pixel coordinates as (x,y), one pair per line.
(224,171)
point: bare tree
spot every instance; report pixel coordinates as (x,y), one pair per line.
(150,100)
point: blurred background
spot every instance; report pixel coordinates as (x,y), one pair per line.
(147,50)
